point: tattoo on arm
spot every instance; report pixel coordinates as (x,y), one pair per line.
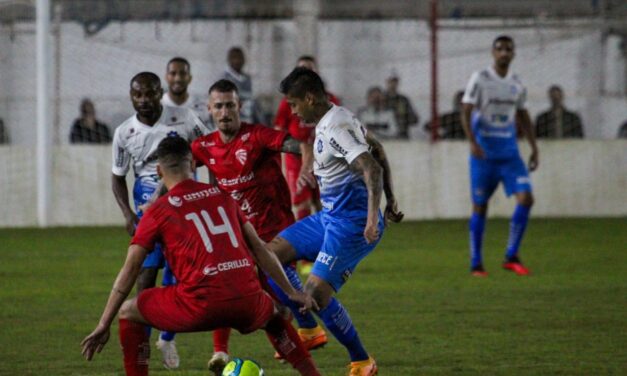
(290,145)
(372,173)
(378,153)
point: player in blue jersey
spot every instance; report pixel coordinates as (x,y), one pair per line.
(352,172)
(494,102)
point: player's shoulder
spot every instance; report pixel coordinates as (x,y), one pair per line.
(341,118)
(126,128)
(205,141)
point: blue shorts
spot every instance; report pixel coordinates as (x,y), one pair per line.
(335,245)
(143,189)
(486,174)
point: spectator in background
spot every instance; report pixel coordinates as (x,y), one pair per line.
(4,135)
(87,129)
(622,131)
(249,112)
(450,124)
(377,117)
(400,104)
(558,122)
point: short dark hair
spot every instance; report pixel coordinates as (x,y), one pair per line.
(146,76)
(556,87)
(173,151)
(181,60)
(372,89)
(223,86)
(502,38)
(302,81)
(307,58)
(235,50)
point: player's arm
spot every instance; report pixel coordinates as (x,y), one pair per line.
(523,119)
(271,265)
(122,287)
(306,176)
(120,191)
(372,172)
(469,101)
(291,145)
(378,153)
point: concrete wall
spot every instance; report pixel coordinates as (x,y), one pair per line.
(575,178)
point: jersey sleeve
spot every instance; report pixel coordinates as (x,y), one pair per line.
(121,157)
(347,141)
(196,152)
(269,138)
(147,232)
(282,118)
(197,127)
(472,95)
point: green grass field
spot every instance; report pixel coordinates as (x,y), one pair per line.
(417,309)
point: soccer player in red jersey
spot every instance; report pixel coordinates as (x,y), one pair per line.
(244,159)
(210,245)
(303,197)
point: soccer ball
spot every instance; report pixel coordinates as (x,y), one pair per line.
(242,367)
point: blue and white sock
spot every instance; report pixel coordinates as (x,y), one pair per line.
(305,321)
(517,228)
(476,227)
(337,320)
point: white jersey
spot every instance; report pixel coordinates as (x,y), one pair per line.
(496,100)
(194,103)
(340,138)
(135,142)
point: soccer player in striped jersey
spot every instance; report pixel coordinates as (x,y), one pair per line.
(135,143)
(494,102)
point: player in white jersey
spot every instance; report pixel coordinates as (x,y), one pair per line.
(178,76)
(494,102)
(135,143)
(352,171)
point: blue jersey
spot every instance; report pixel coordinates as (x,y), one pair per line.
(496,100)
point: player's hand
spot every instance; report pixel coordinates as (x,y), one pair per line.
(392,213)
(533,160)
(305,300)
(371,233)
(305,179)
(131,223)
(476,150)
(94,343)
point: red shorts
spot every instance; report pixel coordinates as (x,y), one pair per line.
(292,170)
(166,309)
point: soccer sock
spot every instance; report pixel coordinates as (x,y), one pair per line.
(302,213)
(339,323)
(167,336)
(306,320)
(517,228)
(135,348)
(476,226)
(221,340)
(286,341)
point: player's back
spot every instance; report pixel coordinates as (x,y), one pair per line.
(201,230)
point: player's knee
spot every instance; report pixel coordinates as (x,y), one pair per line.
(480,209)
(319,290)
(527,199)
(125,310)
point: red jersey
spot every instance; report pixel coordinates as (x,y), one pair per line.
(200,228)
(249,169)
(286,121)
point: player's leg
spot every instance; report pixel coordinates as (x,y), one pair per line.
(516,180)
(166,343)
(483,182)
(343,248)
(134,339)
(300,241)
(220,356)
